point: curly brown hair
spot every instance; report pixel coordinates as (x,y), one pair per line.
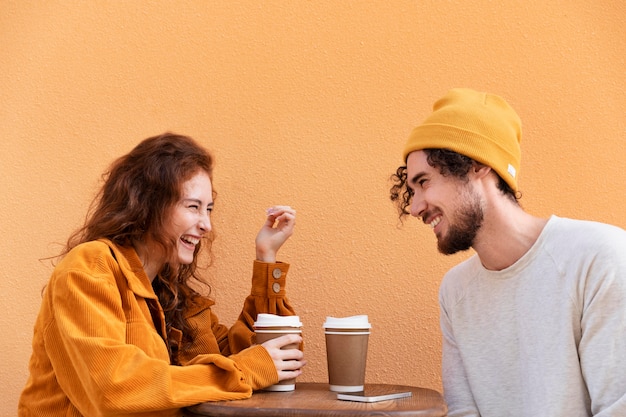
(449,163)
(134,204)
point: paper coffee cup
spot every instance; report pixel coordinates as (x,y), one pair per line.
(270,326)
(346,352)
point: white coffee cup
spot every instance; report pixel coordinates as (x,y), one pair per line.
(270,326)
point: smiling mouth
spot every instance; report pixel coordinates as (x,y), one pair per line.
(190,240)
(435,222)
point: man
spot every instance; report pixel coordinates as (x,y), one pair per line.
(535,323)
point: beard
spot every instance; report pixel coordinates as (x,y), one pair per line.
(464,227)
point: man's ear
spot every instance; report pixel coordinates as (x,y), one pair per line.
(479,170)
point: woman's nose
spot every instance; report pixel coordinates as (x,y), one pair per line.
(205,223)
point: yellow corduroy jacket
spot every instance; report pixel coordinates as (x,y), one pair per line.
(99,351)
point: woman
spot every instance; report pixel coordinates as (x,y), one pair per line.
(121,331)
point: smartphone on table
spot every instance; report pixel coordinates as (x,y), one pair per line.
(374,394)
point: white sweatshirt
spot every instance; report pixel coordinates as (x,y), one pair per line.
(544,337)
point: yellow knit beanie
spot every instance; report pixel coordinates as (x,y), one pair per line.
(481,126)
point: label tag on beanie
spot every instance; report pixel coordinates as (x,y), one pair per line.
(512,170)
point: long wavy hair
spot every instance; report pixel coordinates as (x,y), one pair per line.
(449,163)
(135,204)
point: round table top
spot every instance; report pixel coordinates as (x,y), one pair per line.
(316,400)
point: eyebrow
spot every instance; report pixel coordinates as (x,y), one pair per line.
(195,200)
(416,178)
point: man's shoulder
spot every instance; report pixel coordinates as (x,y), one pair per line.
(582,234)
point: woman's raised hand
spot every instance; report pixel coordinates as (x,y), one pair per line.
(277,229)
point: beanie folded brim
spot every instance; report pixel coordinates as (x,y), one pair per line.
(465,142)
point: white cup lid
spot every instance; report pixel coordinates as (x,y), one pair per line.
(352,322)
(272,320)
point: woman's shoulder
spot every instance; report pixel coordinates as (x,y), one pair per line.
(87,253)
(83,266)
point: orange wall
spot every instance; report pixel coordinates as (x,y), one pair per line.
(305,103)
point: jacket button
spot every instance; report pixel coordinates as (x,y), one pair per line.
(277,273)
(276,287)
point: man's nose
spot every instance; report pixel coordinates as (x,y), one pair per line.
(418,206)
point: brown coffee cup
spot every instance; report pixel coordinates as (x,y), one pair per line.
(270,326)
(346,352)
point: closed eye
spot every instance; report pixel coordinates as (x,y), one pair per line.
(196,205)
(418,180)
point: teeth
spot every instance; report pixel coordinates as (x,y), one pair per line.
(192,240)
(435,222)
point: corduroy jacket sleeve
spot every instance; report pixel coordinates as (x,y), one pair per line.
(266,296)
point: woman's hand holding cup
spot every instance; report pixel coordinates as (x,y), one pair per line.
(287,358)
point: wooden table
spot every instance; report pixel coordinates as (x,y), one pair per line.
(316,400)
